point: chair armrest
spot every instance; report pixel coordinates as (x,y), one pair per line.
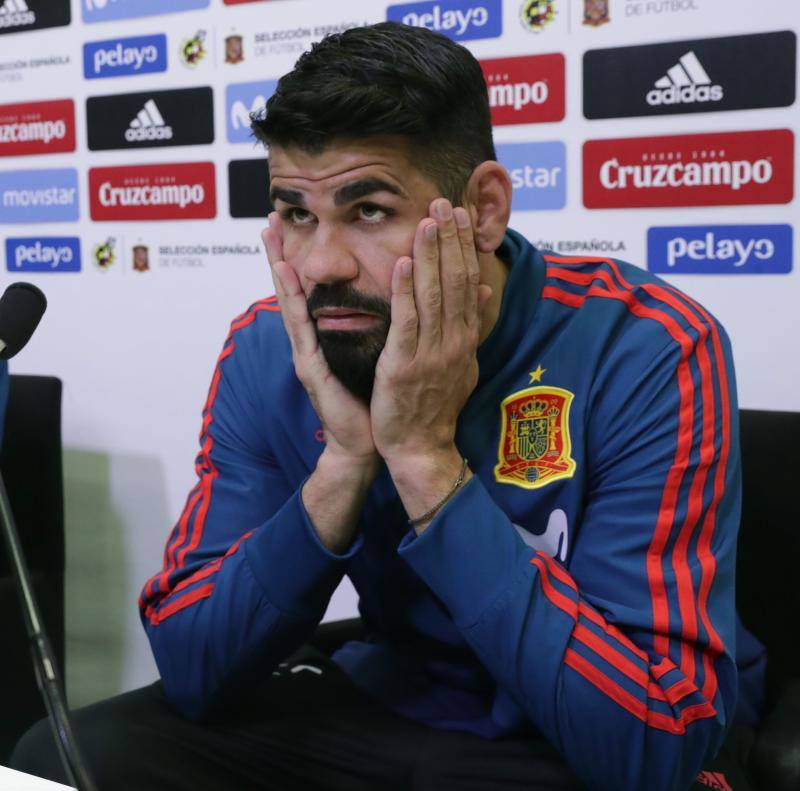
(333,634)
(775,757)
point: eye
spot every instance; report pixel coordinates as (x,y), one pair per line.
(372,214)
(296,216)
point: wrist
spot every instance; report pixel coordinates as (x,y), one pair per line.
(333,496)
(336,464)
(427,482)
(436,465)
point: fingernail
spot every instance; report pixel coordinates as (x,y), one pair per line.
(462,218)
(443,210)
(430,233)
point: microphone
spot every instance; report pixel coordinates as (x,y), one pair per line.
(21,309)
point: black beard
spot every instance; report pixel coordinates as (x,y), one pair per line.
(351,354)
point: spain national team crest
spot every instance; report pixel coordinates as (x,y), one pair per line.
(535,445)
(596,12)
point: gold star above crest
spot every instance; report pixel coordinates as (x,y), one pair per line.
(536,376)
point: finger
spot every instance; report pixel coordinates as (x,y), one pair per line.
(273,238)
(403,329)
(273,243)
(470,256)
(453,272)
(427,289)
(294,310)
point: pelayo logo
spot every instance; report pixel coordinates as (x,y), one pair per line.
(460,20)
(183,117)
(720,250)
(18,16)
(44,254)
(184,191)
(725,169)
(37,128)
(538,174)
(123,57)
(695,76)
(105,10)
(39,196)
(241,99)
(525,90)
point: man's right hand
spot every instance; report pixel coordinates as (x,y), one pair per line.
(335,492)
(344,418)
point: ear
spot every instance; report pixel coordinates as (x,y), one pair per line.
(488,200)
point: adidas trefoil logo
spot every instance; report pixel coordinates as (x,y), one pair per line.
(149,124)
(15,13)
(686,82)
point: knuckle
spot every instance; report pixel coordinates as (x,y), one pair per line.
(302,373)
(409,323)
(457,279)
(433,298)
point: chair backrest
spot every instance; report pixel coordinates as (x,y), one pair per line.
(31,466)
(768,562)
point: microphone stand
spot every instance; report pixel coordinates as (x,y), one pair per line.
(44,663)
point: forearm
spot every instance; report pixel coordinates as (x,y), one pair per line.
(240,614)
(594,691)
(333,496)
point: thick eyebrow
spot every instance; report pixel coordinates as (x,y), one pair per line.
(287,196)
(360,189)
(344,195)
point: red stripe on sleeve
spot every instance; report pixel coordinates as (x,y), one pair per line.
(704,541)
(666,514)
(686,599)
(631,703)
(203,592)
(559,599)
(210,568)
(589,638)
(584,609)
(178,535)
(201,499)
(677,301)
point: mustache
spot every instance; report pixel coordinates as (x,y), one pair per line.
(343,295)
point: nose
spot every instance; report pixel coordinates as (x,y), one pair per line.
(329,259)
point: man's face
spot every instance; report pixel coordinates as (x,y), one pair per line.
(348,214)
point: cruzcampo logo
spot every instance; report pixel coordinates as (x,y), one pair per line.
(535,447)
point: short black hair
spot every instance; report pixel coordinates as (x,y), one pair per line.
(381,80)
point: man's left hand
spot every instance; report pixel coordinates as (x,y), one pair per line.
(428,367)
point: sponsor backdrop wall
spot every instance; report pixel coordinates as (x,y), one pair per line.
(658,131)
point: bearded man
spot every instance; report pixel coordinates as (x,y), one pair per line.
(527,465)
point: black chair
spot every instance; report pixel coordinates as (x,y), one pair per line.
(767,596)
(768,599)
(31,466)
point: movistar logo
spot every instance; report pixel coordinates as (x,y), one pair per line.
(555,539)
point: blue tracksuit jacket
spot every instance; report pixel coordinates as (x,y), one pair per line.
(582,582)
